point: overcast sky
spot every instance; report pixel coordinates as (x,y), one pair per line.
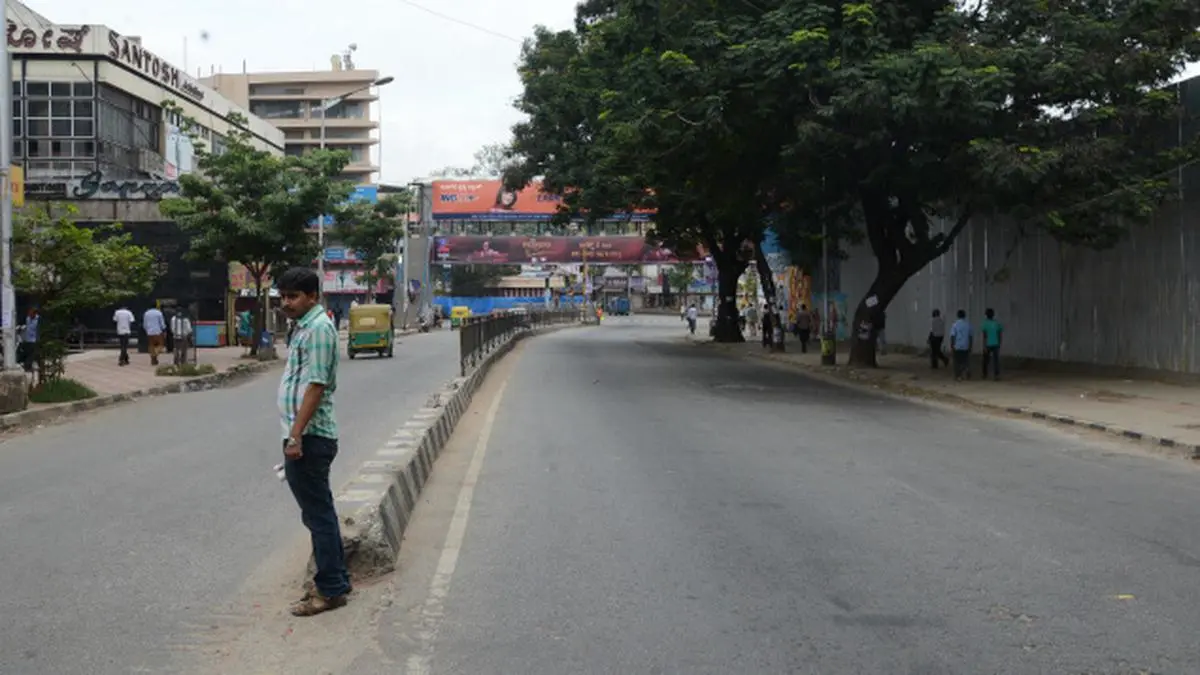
(454,84)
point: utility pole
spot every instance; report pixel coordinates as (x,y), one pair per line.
(8,297)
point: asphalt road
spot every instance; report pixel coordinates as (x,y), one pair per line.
(643,505)
(124,532)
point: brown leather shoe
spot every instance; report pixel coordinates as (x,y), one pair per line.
(315,604)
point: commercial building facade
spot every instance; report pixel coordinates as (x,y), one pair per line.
(90,128)
(292,102)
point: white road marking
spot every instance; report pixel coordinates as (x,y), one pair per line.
(420,662)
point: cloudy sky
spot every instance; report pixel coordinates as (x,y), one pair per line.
(454,83)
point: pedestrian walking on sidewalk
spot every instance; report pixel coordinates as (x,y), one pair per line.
(155,325)
(804,323)
(960,345)
(752,319)
(993,335)
(28,350)
(124,320)
(310,435)
(937,337)
(693,315)
(181,328)
(768,326)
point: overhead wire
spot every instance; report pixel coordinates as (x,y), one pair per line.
(461,22)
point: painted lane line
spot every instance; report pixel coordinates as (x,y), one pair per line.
(420,662)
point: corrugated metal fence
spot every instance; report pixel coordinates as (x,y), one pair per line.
(1133,306)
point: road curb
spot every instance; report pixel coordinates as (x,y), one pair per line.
(36,416)
(376,505)
(904,390)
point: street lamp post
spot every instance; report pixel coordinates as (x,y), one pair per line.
(8,296)
(326,104)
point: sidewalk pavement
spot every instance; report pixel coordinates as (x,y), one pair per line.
(98,368)
(1166,415)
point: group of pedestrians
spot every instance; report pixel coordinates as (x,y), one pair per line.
(962,339)
(154,322)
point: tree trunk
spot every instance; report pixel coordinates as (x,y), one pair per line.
(259,317)
(864,330)
(767,283)
(729,325)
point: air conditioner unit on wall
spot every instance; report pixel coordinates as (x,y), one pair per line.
(149,161)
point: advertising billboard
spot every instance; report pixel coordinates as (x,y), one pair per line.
(482,250)
(488,200)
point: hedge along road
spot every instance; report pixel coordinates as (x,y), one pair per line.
(129,530)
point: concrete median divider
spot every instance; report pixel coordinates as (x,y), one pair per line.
(376,506)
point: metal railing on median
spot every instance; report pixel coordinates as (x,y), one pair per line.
(481,335)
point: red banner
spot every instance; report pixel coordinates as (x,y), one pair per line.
(479,250)
(488,200)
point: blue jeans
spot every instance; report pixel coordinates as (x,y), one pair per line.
(308,477)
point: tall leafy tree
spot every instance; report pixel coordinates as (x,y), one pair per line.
(638,107)
(373,231)
(64,267)
(249,206)
(913,118)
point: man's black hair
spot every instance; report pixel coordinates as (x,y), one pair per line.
(962,313)
(299,280)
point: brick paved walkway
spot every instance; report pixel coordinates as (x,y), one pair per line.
(98,369)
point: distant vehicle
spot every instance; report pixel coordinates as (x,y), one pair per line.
(619,307)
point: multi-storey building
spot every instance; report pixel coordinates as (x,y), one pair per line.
(90,127)
(292,101)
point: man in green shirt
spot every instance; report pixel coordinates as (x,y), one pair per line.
(993,335)
(310,436)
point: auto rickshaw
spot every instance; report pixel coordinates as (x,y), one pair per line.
(457,314)
(372,329)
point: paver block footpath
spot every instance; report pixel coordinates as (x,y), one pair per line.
(1158,413)
(115,384)
(375,507)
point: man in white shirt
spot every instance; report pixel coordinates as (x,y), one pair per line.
(692,315)
(181,328)
(124,320)
(156,327)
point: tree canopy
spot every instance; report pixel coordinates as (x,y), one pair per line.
(896,122)
(65,267)
(373,231)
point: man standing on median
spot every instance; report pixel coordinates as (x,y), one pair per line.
(310,438)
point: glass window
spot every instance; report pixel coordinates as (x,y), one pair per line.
(37,88)
(37,108)
(277,109)
(83,108)
(61,148)
(60,89)
(57,108)
(39,148)
(18,150)
(293,134)
(85,148)
(84,128)
(60,128)
(39,127)
(16,90)
(17,128)
(83,89)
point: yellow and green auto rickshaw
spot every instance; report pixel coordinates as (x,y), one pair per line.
(371,330)
(457,314)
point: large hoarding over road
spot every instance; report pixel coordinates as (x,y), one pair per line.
(488,200)
(481,250)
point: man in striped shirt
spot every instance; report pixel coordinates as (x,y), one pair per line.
(310,434)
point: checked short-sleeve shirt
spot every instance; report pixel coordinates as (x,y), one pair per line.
(312,359)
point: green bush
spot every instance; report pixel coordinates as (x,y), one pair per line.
(61,390)
(186,370)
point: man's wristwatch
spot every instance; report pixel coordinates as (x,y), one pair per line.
(291,441)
